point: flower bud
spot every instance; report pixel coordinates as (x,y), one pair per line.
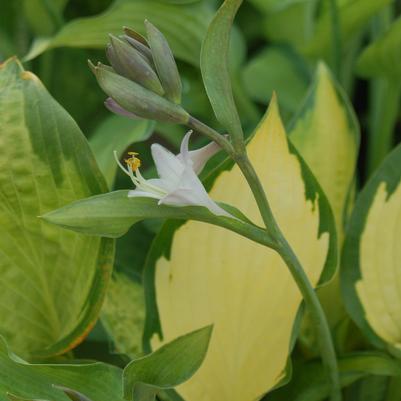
(137,41)
(136,99)
(115,108)
(132,64)
(165,63)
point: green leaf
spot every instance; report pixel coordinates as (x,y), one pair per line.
(309,381)
(169,366)
(214,67)
(97,381)
(55,280)
(44,16)
(353,17)
(371,275)
(276,69)
(123,315)
(112,214)
(183,25)
(382,57)
(197,274)
(116,133)
(72,394)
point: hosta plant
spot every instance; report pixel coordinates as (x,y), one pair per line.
(221,234)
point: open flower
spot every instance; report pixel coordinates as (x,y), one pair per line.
(178,183)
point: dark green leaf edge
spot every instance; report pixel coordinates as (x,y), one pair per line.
(389,172)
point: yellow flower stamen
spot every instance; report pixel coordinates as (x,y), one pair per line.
(133,162)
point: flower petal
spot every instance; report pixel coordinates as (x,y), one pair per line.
(169,167)
(199,157)
(191,192)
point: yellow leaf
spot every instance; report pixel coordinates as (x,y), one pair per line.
(326,134)
(216,277)
(370,278)
(379,287)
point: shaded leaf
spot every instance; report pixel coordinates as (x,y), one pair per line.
(353,17)
(276,69)
(310,382)
(382,57)
(55,280)
(183,25)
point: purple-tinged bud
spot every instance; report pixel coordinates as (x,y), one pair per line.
(136,99)
(115,108)
(137,41)
(165,63)
(131,63)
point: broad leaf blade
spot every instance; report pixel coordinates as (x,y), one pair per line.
(184,26)
(209,275)
(371,276)
(169,366)
(55,280)
(214,67)
(97,381)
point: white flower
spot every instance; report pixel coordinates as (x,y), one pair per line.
(178,183)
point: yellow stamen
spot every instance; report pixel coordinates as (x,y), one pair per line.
(133,162)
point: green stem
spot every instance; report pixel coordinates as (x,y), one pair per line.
(198,126)
(328,353)
(385,97)
(336,48)
(284,249)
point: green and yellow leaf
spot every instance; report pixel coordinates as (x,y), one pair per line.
(53,281)
(212,276)
(326,134)
(371,277)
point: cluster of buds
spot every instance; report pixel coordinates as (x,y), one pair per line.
(143,80)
